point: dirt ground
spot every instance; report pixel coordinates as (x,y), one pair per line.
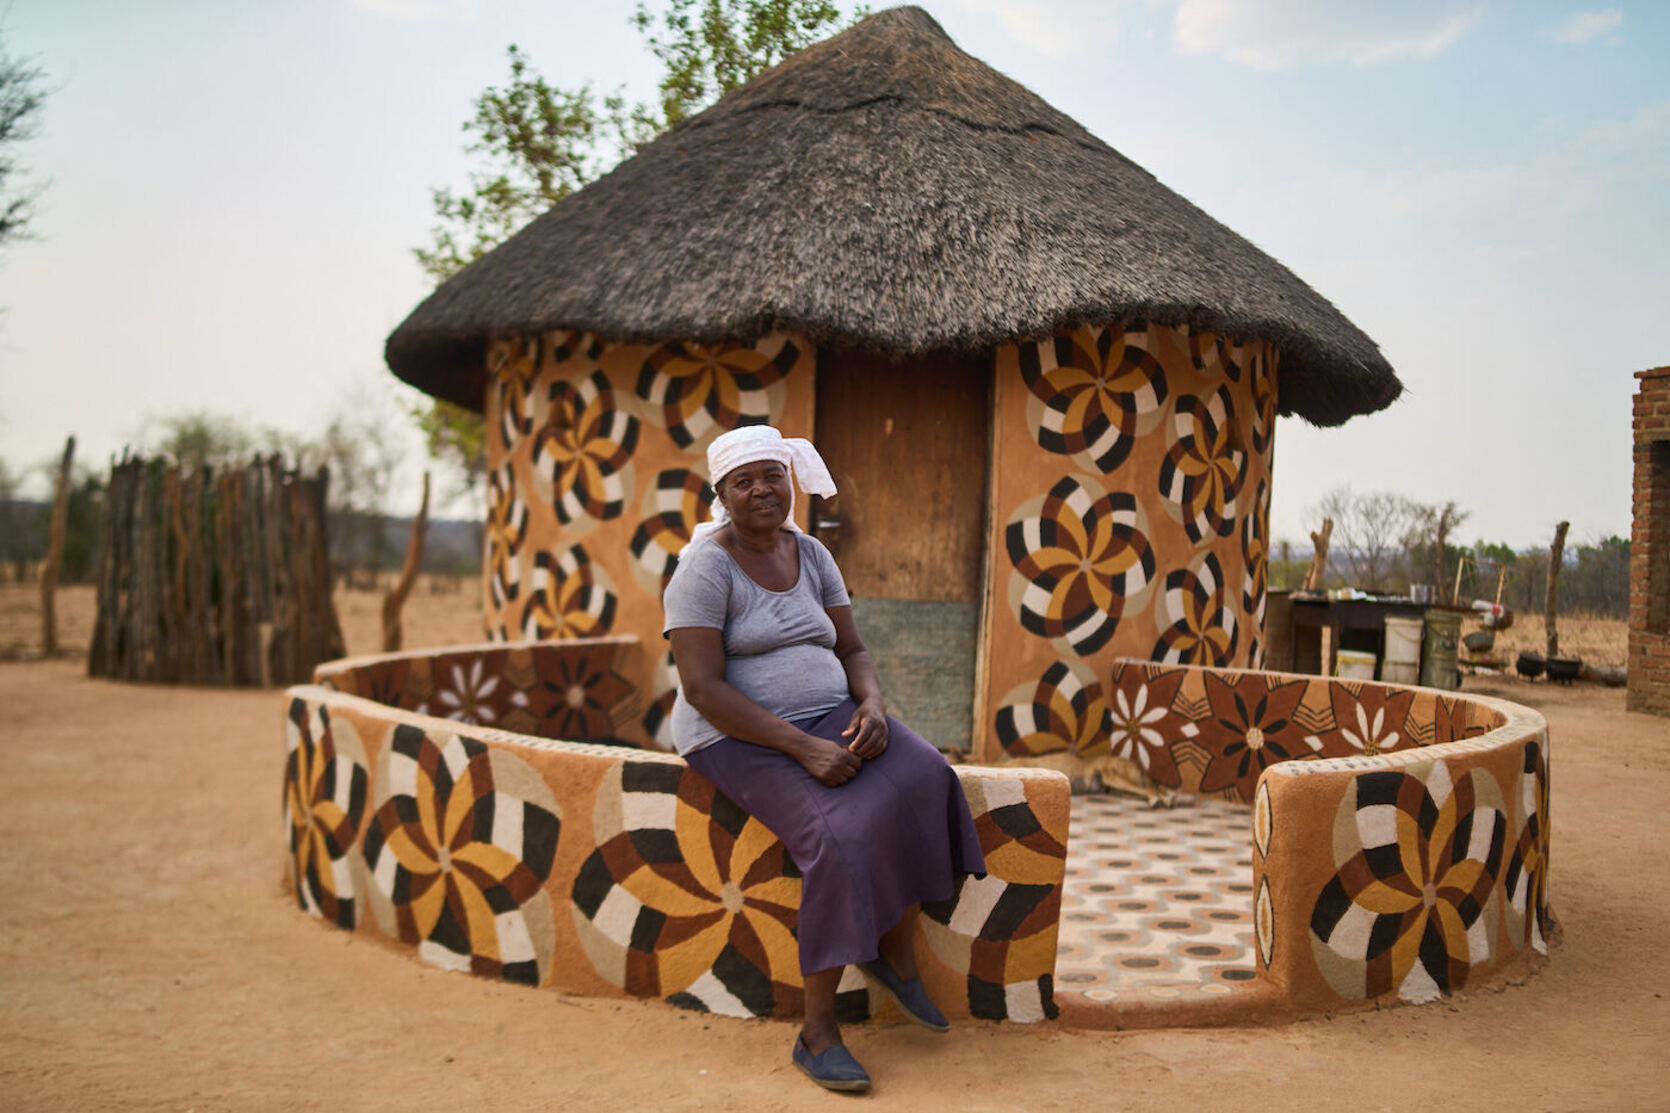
(149,958)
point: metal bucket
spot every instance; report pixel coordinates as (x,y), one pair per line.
(1438,653)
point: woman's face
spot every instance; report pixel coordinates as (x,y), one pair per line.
(757,494)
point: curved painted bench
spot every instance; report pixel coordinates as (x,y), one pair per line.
(459,802)
(485,806)
(1400,835)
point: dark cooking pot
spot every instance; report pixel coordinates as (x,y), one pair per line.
(1530,665)
(1564,668)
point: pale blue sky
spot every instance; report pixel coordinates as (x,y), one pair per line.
(1483,187)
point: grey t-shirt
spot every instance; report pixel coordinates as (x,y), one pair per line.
(779,645)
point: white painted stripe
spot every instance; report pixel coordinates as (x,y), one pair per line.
(515,944)
(648,809)
(508,815)
(711,992)
(979,897)
(1377,825)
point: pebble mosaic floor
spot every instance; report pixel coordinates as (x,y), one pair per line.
(1158,902)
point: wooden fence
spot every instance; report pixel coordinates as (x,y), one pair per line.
(214,578)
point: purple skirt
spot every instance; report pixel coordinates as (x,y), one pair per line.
(897,834)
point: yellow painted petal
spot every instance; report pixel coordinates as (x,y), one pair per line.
(415,858)
(478,918)
(695,842)
(782,951)
(426,907)
(665,896)
(1407,948)
(682,963)
(1383,899)
(491,860)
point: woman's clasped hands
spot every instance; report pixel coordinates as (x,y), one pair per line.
(833,764)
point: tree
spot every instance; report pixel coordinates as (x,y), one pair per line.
(200,439)
(1372,532)
(1427,548)
(21,99)
(540,143)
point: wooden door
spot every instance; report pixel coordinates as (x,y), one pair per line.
(908,445)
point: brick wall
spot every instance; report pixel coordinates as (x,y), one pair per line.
(1649,552)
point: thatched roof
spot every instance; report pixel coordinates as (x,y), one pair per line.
(884,189)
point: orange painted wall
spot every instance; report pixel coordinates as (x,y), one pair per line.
(1129,518)
(597,472)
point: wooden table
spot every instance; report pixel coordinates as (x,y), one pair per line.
(1365,618)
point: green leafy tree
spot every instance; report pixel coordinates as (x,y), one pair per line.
(539,143)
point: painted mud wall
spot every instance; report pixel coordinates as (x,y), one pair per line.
(1130,504)
(607,869)
(597,473)
(1129,501)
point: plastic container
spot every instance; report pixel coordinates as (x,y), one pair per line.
(1402,663)
(1438,653)
(1354,664)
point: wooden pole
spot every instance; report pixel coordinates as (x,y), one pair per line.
(1552,607)
(395,598)
(1319,561)
(55,554)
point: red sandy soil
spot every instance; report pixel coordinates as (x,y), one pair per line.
(150,958)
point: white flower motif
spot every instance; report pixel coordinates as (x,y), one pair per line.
(1132,722)
(1368,737)
(465,700)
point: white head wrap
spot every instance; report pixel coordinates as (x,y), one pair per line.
(752,443)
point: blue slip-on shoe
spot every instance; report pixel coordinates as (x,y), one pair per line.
(910,995)
(833,1068)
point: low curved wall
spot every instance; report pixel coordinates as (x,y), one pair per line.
(464,802)
(1400,835)
(414,815)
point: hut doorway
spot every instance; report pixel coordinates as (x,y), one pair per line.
(908,444)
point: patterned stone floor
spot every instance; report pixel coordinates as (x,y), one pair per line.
(1158,902)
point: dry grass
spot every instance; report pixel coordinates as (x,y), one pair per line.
(1602,642)
(442,610)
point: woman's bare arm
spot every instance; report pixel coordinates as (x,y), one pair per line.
(699,655)
(868,727)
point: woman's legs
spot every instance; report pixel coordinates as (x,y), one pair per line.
(819,1029)
(898,945)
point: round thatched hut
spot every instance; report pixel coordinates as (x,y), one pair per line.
(1047,386)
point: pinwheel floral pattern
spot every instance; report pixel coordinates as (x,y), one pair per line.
(1252,727)
(1406,908)
(583,448)
(1255,559)
(1001,929)
(1197,622)
(1142,723)
(1370,717)
(1093,391)
(580,693)
(1063,711)
(459,850)
(1204,469)
(1081,556)
(506,530)
(1525,883)
(325,790)
(694,390)
(512,367)
(675,504)
(571,597)
(687,897)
